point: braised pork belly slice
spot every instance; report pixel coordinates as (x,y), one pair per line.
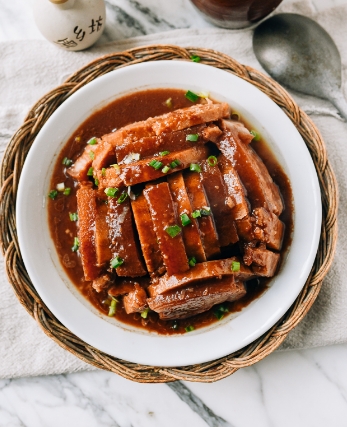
(268,228)
(190,232)
(108,178)
(104,155)
(86,209)
(80,168)
(123,242)
(164,217)
(216,194)
(186,302)
(102,242)
(202,271)
(136,300)
(171,122)
(102,282)
(261,190)
(148,238)
(198,201)
(262,261)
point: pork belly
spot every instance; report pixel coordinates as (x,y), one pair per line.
(268,228)
(102,282)
(198,200)
(202,271)
(79,169)
(148,238)
(216,194)
(186,302)
(261,190)
(104,155)
(191,233)
(262,261)
(86,208)
(136,300)
(102,242)
(164,215)
(123,242)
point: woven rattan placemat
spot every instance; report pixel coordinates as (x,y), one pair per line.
(11,168)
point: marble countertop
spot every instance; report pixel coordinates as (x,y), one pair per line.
(296,388)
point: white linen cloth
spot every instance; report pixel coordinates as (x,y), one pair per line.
(29,69)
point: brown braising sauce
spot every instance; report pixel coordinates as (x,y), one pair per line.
(135,107)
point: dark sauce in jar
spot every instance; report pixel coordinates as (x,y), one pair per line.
(128,109)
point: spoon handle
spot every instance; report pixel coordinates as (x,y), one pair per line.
(340,103)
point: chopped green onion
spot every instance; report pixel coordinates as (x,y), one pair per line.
(193,137)
(73,216)
(219,311)
(67,191)
(96,182)
(195,167)
(174,324)
(90,172)
(60,186)
(91,154)
(117,167)
(185,219)
(144,313)
(122,197)
(235,266)
(196,214)
(113,307)
(255,134)
(189,328)
(92,141)
(67,162)
(192,96)
(103,172)
(212,160)
(195,58)
(166,169)
(164,153)
(205,211)
(203,94)
(53,194)
(155,164)
(168,102)
(173,230)
(76,244)
(192,261)
(111,191)
(175,163)
(116,262)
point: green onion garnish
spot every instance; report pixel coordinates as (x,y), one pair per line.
(73,216)
(219,311)
(195,167)
(175,163)
(192,96)
(122,197)
(196,214)
(113,307)
(67,191)
(192,137)
(91,154)
(155,164)
(205,211)
(117,167)
(103,172)
(53,194)
(66,161)
(192,261)
(111,191)
(168,102)
(174,324)
(212,160)
(116,262)
(96,182)
(195,58)
(173,230)
(164,153)
(166,169)
(189,328)
(255,134)
(76,244)
(144,313)
(235,266)
(92,141)
(90,172)
(185,219)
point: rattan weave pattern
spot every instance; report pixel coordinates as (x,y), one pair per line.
(11,167)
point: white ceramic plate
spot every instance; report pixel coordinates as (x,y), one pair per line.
(124,341)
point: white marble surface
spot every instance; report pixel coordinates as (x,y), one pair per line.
(298,388)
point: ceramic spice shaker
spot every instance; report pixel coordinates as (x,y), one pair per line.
(70,24)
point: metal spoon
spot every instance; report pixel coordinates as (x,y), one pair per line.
(301,55)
